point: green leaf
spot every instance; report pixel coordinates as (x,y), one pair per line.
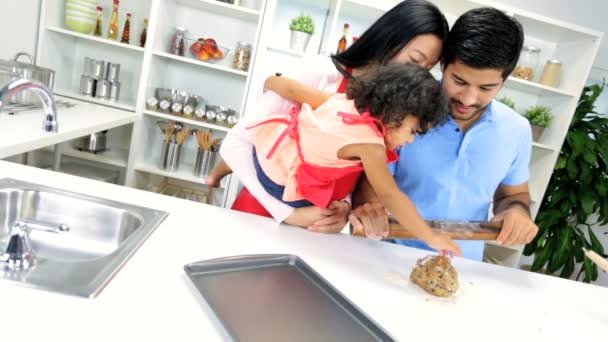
(541,257)
(589,156)
(568,269)
(587,203)
(578,143)
(596,245)
(560,256)
(587,266)
(572,168)
(561,163)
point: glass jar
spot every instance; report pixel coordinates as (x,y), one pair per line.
(527,63)
(551,72)
(242,56)
(177,42)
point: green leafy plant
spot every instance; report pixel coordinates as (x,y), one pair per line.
(303,23)
(539,115)
(577,190)
(507,101)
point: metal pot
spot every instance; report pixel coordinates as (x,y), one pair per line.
(13,69)
(95,142)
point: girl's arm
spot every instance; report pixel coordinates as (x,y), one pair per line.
(373,158)
(295,91)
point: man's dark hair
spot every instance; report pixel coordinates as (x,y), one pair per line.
(394,91)
(485,38)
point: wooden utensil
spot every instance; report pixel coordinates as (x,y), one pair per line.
(182,135)
(597,259)
(458,230)
(169,131)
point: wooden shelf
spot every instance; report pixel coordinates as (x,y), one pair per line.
(201,63)
(222,8)
(122,104)
(95,39)
(185,172)
(535,88)
(201,124)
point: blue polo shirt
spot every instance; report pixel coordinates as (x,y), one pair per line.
(453,176)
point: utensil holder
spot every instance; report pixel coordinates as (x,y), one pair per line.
(205,159)
(169,156)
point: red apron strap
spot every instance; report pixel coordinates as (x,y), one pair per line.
(344,83)
(365,118)
(291,129)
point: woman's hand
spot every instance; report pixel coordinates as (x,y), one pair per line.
(335,223)
(329,220)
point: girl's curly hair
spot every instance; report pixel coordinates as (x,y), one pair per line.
(394,91)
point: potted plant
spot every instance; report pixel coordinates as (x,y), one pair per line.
(540,117)
(302,28)
(577,192)
(508,102)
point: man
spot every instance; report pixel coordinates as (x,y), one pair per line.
(481,154)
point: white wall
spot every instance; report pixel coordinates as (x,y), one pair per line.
(18,27)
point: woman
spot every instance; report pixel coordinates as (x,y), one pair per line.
(411,32)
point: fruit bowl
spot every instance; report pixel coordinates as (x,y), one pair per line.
(206,50)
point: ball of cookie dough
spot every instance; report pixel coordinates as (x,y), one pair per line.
(436,275)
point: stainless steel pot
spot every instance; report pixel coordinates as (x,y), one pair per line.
(14,69)
(95,142)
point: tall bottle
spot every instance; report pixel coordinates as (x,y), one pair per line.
(144,34)
(342,42)
(98,22)
(113,28)
(126,31)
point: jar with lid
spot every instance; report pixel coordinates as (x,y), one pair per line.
(527,63)
(177,42)
(550,75)
(242,56)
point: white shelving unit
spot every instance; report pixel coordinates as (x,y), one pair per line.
(144,69)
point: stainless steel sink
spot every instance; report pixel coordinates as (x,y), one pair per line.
(103,235)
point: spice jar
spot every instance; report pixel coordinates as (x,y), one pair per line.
(177,42)
(164,106)
(232,120)
(211,112)
(199,113)
(152,103)
(527,64)
(176,108)
(551,72)
(242,56)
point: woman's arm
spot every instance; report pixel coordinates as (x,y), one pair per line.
(373,158)
(295,91)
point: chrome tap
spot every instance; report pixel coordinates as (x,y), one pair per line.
(18,254)
(48,102)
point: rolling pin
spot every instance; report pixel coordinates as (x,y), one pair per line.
(458,230)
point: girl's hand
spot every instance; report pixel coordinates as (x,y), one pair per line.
(444,244)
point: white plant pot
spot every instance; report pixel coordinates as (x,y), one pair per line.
(299,40)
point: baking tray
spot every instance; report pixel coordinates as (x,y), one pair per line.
(278,297)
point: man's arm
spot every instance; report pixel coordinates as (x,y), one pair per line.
(512,207)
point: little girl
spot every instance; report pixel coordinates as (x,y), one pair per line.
(312,157)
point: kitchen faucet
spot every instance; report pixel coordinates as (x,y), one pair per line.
(48,102)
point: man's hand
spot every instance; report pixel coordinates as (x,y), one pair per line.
(517,226)
(335,223)
(372,218)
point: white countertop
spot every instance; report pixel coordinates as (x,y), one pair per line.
(151,299)
(23,132)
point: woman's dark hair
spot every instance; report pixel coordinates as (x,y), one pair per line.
(393,91)
(485,38)
(388,35)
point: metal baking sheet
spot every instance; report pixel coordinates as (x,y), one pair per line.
(279,298)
